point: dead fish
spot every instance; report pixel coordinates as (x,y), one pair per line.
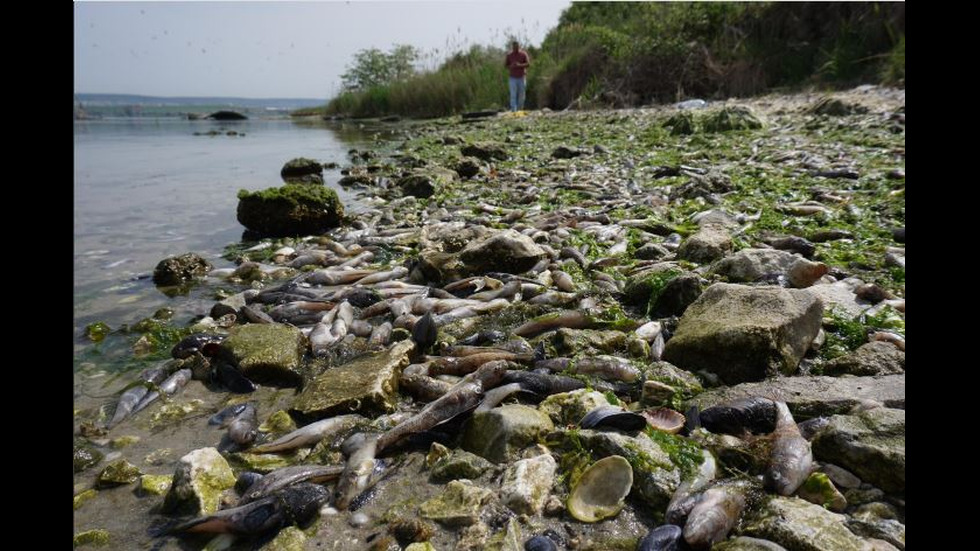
(130,398)
(310,435)
(361,328)
(224,417)
(680,504)
(571,319)
(794,244)
(887,336)
(245,426)
(838,173)
(543,384)
(469,364)
(714,516)
(288,476)
(606,367)
(255,315)
(563,281)
(337,276)
(511,289)
(791,460)
(377,277)
(356,474)
(169,387)
(423,387)
(496,395)
(483,337)
(380,335)
(297,504)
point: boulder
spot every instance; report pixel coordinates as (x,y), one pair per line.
(502,432)
(871,444)
(801,526)
(873,358)
(290,210)
(177,270)
(708,244)
(300,166)
(750,265)
(527,484)
(504,251)
(268,353)
(200,478)
(745,333)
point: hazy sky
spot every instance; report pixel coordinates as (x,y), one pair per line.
(276,49)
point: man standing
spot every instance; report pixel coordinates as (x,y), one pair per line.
(517,62)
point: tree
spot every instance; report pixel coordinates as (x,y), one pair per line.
(372,67)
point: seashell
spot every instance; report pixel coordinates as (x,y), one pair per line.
(662,538)
(614,418)
(755,414)
(540,543)
(600,492)
(665,419)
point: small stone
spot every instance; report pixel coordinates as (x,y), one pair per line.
(84,497)
(157,485)
(117,474)
(97,538)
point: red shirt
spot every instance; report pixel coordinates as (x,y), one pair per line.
(517,57)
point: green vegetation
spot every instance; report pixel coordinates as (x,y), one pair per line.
(633,53)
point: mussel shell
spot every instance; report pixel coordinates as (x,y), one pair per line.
(245,481)
(756,415)
(205,343)
(662,538)
(540,543)
(425,333)
(614,418)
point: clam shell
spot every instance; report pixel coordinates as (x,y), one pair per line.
(600,492)
(665,419)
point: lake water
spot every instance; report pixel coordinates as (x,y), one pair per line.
(148,189)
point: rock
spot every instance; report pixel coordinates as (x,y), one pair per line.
(676,296)
(97,331)
(793,244)
(873,358)
(839,476)
(666,373)
(300,166)
(750,265)
(410,530)
(706,185)
(804,273)
(83,497)
(870,525)
(199,479)
(565,152)
(473,538)
(290,538)
(485,151)
(745,543)
(681,123)
(718,218)
(508,540)
(707,245)
(646,286)
(527,484)
(745,333)
(97,538)
(118,473)
(731,117)
(459,464)
(268,353)
(651,251)
(290,210)
(655,476)
(840,295)
(568,408)
(467,168)
(502,432)
(656,393)
(819,490)
(178,270)
(810,397)
(898,234)
(230,305)
(155,484)
(422,546)
(835,108)
(85,455)
(571,342)
(459,505)
(367,385)
(356,180)
(226,116)
(747,456)
(504,251)
(871,444)
(426,183)
(801,526)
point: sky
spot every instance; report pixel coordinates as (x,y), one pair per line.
(277,49)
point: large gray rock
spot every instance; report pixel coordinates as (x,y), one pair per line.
(710,243)
(527,484)
(750,265)
(200,478)
(505,251)
(267,353)
(745,333)
(810,397)
(871,444)
(655,476)
(367,385)
(801,526)
(502,432)
(873,358)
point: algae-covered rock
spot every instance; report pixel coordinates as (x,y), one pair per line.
(421,546)
(871,444)
(268,353)
(155,484)
(706,245)
(750,265)
(809,397)
(459,505)
(818,489)
(264,462)
(171,412)
(300,166)
(98,538)
(504,251)
(681,123)
(801,526)
(367,385)
(676,296)
(118,473)
(290,210)
(485,151)
(571,342)
(459,464)
(290,538)
(467,168)
(646,286)
(568,408)
(121,442)
(509,539)
(85,455)
(83,497)
(502,432)
(527,484)
(867,523)
(731,117)
(873,358)
(424,183)
(177,270)
(410,530)
(198,481)
(97,331)
(277,424)
(678,379)
(834,107)
(745,333)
